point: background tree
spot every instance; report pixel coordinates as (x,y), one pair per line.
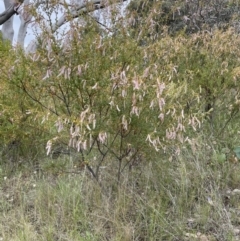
(36,11)
(188,16)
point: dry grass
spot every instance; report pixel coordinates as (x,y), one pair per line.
(190,198)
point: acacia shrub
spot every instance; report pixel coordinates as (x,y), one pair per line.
(106,95)
(114,101)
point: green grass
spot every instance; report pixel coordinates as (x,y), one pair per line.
(188,198)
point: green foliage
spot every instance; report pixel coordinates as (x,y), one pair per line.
(108,98)
(204,67)
(20,133)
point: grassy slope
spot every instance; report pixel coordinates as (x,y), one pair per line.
(189,198)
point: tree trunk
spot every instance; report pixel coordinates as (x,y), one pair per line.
(7,28)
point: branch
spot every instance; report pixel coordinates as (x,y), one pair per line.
(80,9)
(77,10)
(25,18)
(10,11)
